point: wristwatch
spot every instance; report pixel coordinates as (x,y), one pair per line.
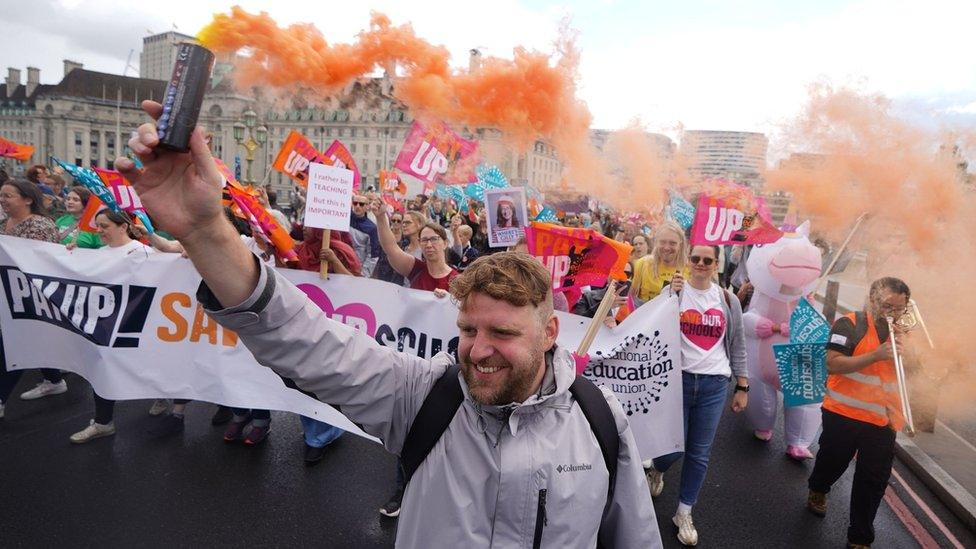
(743,388)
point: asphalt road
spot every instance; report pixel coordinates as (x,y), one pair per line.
(192,490)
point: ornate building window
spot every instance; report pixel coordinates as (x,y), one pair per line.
(94,157)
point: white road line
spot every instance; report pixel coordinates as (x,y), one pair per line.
(965,442)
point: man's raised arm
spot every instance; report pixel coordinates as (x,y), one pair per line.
(181,192)
(375,386)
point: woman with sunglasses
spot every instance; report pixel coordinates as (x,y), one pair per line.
(713,350)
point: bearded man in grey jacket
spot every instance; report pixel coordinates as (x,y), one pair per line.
(517,466)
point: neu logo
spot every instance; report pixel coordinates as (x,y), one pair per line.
(637,371)
(89,310)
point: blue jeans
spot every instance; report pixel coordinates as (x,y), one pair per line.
(319,434)
(704,402)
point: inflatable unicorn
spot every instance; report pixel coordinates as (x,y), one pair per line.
(781,273)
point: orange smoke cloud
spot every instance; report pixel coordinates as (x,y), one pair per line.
(526,98)
(641,165)
(912,183)
(875,162)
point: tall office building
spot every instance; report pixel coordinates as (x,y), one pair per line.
(159,54)
(738,156)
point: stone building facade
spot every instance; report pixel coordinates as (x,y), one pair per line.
(367,118)
(86,119)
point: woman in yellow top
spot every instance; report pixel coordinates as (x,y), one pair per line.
(655,270)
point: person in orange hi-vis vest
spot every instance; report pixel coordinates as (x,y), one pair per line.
(862,410)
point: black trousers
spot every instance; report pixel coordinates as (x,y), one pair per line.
(104,410)
(841,438)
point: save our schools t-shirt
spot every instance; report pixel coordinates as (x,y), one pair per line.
(703,327)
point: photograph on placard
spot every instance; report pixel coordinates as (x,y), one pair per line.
(506,215)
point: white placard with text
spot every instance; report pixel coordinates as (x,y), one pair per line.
(329,201)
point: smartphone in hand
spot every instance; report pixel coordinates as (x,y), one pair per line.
(623,288)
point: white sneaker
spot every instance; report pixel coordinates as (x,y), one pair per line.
(1,410)
(655,481)
(159,406)
(93,431)
(687,534)
(45,388)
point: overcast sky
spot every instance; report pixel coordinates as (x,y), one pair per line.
(714,64)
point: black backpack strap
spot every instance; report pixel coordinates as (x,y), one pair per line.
(596,410)
(436,413)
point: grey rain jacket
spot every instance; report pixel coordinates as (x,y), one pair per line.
(481,484)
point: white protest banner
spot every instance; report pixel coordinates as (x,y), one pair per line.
(329,201)
(640,361)
(133,328)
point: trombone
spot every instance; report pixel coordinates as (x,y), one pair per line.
(906,322)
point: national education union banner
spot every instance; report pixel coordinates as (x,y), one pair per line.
(132,327)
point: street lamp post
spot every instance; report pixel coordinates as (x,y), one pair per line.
(251,138)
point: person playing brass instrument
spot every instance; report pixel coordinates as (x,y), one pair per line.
(862,410)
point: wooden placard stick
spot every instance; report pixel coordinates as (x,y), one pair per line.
(597,320)
(324,265)
(840,252)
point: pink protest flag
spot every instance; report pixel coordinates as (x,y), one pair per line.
(731,214)
(436,154)
(124,192)
(339,156)
(577,257)
(391,183)
(264,224)
(296,153)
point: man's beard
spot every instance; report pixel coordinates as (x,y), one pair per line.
(875,305)
(517,387)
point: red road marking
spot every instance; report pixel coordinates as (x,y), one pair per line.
(928,512)
(914,527)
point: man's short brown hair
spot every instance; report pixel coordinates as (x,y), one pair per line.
(33,171)
(516,278)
